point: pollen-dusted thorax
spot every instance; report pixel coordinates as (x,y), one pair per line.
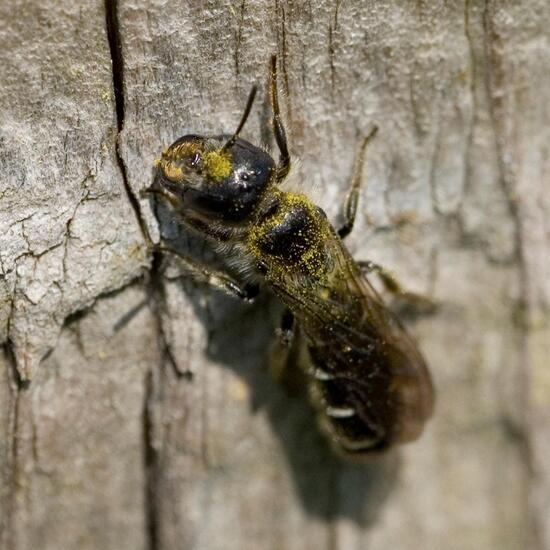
(217,181)
(291,234)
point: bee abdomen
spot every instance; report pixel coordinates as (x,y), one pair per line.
(346,406)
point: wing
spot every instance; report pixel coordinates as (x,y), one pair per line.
(370,380)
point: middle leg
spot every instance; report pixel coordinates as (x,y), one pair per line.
(283,166)
(287,357)
(352,198)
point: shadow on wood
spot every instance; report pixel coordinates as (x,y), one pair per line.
(240,337)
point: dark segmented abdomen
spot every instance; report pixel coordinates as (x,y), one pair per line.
(351,389)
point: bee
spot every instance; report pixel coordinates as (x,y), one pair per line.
(366,377)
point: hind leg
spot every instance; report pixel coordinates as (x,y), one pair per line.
(286,356)
(410,300)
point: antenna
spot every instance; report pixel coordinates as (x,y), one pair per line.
(247,109)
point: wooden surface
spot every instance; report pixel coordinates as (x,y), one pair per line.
(136,408)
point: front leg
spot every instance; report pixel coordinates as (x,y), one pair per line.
(215,278)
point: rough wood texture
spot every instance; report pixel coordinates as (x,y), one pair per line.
(150,419)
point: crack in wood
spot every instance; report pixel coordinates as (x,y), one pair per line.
(283,50)
(117,62)
(331,59)
(332,28)
(239,37)
(150,458)
(150,465)
(16,385)
(494,82)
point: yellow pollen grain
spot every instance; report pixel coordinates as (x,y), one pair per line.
(218,165)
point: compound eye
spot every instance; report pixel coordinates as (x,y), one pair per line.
(193,160)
